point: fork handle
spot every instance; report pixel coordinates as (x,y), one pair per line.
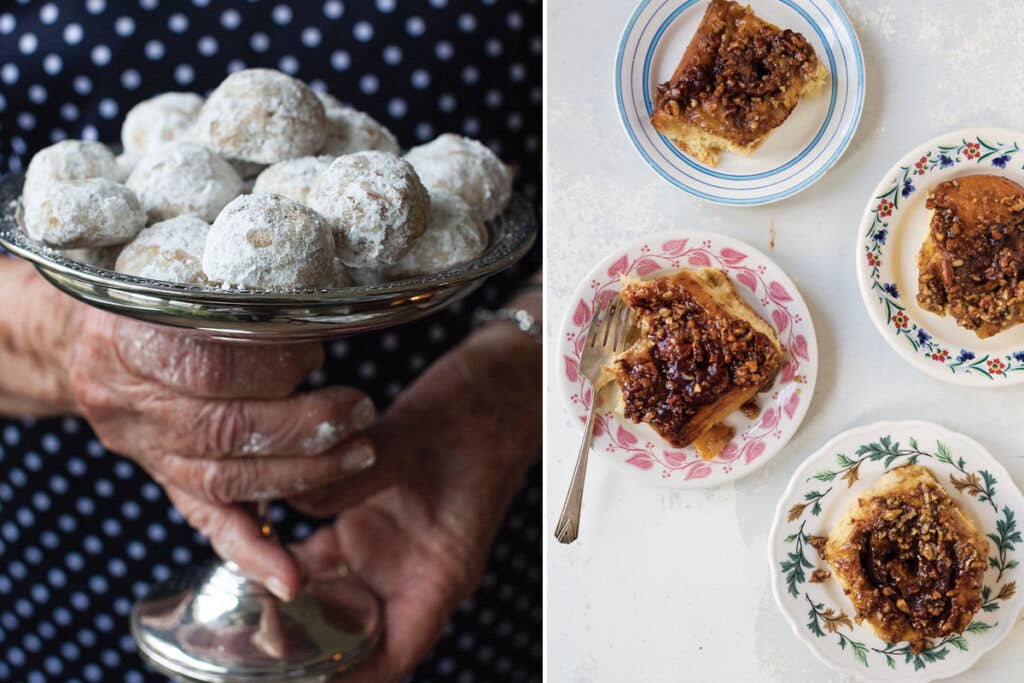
(568,526)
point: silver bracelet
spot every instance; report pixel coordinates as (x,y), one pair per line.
(523,319)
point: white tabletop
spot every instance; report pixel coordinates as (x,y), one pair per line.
(673,585)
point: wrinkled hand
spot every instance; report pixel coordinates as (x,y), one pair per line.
(218,424)
(454,450)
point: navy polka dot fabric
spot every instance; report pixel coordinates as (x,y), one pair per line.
(83,532)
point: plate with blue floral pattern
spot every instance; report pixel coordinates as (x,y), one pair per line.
(891,234)
(821,489)
(796,154)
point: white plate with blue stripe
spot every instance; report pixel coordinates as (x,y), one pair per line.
(793,156)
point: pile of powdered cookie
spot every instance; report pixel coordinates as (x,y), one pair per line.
(265,185)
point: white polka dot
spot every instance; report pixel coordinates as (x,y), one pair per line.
(230,19)
(288,64)
(184,74)
(333,9)
(446,102)
(235,65)
(444,50)
(207,46)
(259,42)
(397,107)
(392,55)
(386,5)
(52,64)
(339,349)
(281,14)
(340,60)
(130,79)
(73,34)
(108,108)
(100,55)
(154,50)
(420,79)
(493,48)
(467,22)
(124,26)
(311,36)
(95,6)
(470,75)
(36,94)
(177,23)
(369,84)
(149,4)
(415,26)
(7,23)
(48,13)
(28,43)
(9,73)
(363,31)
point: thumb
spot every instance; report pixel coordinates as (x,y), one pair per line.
(236,536)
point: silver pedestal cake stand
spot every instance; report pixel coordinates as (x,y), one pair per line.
(212,624)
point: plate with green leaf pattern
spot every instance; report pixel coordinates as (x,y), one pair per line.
(818,494)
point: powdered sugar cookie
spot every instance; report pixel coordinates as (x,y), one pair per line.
(170,250)
(96,212)
(454,235)
(266,241)
(292,178)
(69,160)
(350,130)
(160,120)
(467,168)
(262,116)
(184,178)
(376,205)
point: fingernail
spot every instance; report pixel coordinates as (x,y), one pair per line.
(358,459)
(276,586)
(363,414)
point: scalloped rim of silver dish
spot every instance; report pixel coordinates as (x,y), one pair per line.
(510,235)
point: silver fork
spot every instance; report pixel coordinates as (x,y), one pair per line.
(609,330)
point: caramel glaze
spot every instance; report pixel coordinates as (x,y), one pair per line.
(913,571)
(972,263)
(740,77)
(696,354)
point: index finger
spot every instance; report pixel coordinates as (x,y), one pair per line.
(193,365)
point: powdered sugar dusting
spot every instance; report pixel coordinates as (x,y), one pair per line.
(454,235)
(184,178)
(170,250)
(351,130)
(467,168)
(264,116)
(266,241)
(159,121)
(327,435)
(292,178)
(83,213)
(376,204)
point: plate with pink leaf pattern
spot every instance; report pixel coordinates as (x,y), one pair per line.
(761,283)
